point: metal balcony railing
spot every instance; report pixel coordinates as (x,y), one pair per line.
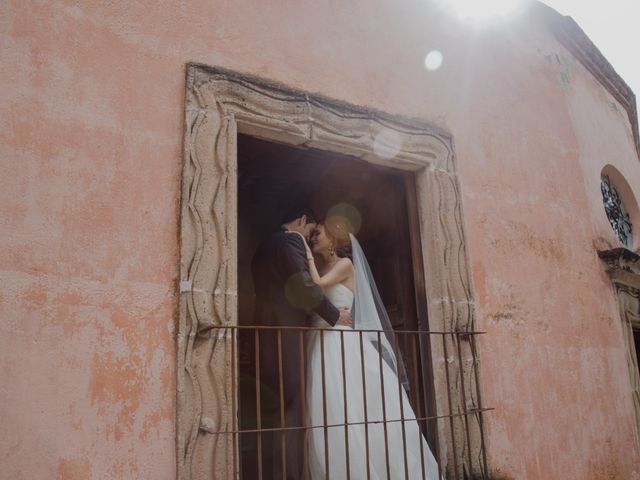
(273,428)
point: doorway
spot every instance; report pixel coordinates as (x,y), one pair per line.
(220,104)
(272,178)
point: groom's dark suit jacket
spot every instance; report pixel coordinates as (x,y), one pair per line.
(285,296)
(285,293)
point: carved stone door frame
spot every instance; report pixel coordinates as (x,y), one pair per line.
(623,267)
(219,105)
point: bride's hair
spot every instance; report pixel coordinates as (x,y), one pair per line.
(345,251)
(341,241)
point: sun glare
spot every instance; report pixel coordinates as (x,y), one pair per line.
(482,11)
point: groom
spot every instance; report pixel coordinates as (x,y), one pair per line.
(286,296)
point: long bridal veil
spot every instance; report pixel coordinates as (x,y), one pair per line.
(402,428)
(358,410)
(369,313)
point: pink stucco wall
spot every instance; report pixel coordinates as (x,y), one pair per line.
(90,140)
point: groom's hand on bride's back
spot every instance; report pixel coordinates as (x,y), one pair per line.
(345,318)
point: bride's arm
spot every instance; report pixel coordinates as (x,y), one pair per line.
(338,273)
(313,270)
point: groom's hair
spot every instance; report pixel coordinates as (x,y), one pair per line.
(297,212)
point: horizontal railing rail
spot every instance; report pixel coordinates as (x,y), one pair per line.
(277,372)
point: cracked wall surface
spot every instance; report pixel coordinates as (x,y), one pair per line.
(92,153)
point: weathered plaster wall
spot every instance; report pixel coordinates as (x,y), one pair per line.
(91,127)
(553,358)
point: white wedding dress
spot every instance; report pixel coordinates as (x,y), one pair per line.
(329,409)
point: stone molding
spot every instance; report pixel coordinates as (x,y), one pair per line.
(219,105)
(623,267)
(569,34)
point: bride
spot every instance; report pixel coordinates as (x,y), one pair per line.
(338,359)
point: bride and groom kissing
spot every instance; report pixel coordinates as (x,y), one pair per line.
(338,384)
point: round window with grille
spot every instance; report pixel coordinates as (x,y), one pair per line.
(617,213)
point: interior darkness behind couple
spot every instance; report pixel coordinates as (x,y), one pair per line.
(271,178)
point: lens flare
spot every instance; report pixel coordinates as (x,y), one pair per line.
(387,144)
(433,60)
(343,219)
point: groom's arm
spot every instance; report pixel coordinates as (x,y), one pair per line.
(301,290)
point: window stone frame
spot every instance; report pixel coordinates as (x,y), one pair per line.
(623,268)
(219,104)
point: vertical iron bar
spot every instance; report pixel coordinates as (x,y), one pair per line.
(472,340)
(414,349)
(364,397)
(344,394)
(401,401)
(303,399)
(324,406)
(384,409)
(283,442)
(234,401)
(420,399)
(435,425)
(464,400)
(440,475)
(258,407)
(453,433)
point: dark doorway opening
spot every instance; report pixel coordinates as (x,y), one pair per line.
(272,177)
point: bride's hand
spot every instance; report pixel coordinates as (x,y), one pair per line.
(306,245)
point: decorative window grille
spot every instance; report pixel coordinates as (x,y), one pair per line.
(616,211)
